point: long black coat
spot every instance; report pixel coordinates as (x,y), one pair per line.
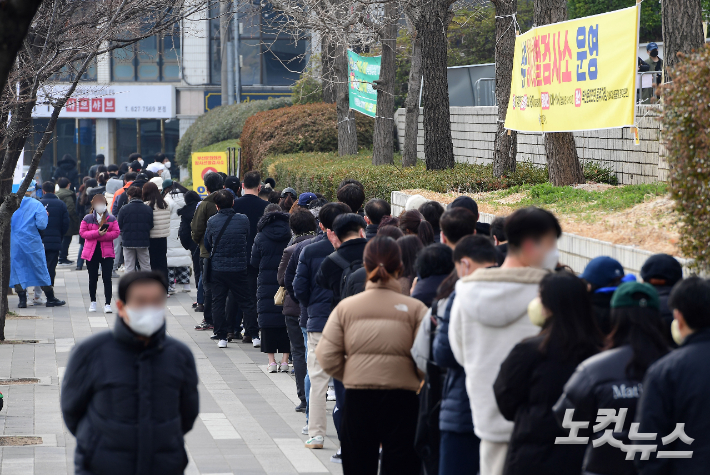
(135,221)
(57,223)
(528,385)
(186,214)
(273,235)
(290,307)
(130,404)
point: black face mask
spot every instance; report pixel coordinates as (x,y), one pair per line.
(653,53)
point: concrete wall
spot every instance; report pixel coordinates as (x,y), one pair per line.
(575,251)
(473,131)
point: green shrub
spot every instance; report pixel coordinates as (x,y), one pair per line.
(307,90)
(599,173)
(323,172)
(686,133)
(299,128)
(222,123)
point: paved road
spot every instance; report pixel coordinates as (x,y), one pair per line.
(247,422)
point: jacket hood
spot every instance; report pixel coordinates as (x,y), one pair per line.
(499,297)
(67,162)
(275,226)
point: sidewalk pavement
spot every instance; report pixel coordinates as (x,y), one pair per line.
(247,423)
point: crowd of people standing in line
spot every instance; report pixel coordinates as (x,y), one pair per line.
(453,346)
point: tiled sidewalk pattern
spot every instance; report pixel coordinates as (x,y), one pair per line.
(247,423)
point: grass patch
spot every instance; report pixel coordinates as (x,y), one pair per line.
(220,146)
(566,199)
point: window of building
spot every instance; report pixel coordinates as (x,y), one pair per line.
(154,59)
(68,72)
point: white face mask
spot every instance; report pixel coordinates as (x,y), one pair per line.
(675,333)
(536,312)
(146,320)
(140,160)
(100,209)
(167,164)
(551,259)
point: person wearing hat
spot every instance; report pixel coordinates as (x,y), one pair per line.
(676,389)
(603,275)
(614,378)
(287,199)
(663,271)
(305,198)
(654,62)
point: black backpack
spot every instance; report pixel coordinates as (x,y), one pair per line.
(348,269)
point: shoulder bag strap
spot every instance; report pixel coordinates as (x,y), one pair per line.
(219,236)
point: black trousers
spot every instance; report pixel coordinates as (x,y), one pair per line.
(298,351)
(234,314)
(372,417)
(52,260)
(248,305)
(158,251)
(106,265)
(64,253)
(222,283)
(207,295)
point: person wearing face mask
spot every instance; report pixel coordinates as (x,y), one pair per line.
(613,379)
(533,374)
(129,396)
(99,229)
(654,62)
(489,317)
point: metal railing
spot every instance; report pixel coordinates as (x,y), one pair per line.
(647,87)
(485,92)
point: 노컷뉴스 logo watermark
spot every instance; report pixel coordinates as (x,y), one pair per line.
(604,419)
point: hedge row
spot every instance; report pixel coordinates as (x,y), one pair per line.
(323,172)
(299,128)
(220,124)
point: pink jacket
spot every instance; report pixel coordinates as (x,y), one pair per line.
(89,230)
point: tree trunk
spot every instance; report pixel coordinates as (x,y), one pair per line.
(682,30)
(347,134)
(565,168)
(327,61)
(411,105)
(15,19)
(506,144)
(561,151)
(432,26)
(383,137)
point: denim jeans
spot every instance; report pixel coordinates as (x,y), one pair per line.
(200,291)
(306,380)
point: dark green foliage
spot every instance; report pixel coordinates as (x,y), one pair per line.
(596,173)
(222,123)
(307,90)
(650,14)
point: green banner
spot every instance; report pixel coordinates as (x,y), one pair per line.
(362,71)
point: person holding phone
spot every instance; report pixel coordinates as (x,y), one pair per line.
(99,229)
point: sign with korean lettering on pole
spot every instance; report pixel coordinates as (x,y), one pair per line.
(204,163)
(362,71)
(576,75)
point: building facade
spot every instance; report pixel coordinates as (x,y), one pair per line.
(144,97)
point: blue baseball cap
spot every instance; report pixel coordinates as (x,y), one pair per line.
(651,46)
(602,271)
(306,198)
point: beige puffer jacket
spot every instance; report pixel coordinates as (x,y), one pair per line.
(367,341)
(161,222)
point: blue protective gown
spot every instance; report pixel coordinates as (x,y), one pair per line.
(28,265)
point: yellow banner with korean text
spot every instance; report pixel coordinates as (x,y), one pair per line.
(576,75)
(204,163)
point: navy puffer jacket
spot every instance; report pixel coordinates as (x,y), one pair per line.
(307,291)
(455,413)
(130,404)
(57,222)
(273,235)
(230,255)
(135,220)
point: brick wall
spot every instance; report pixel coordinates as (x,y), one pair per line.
(473,130)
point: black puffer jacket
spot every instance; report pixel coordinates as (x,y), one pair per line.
(290,306)
(601,382)
(135,220)
(130,404)
(676,390)
(186,214)
(664,291)
(66,167)
(230,255)
(290,276)
(528,385)
(273,235)
(57,223)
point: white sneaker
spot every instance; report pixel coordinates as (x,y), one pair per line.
(330,395)
(222,344)
(315,442)
(38,301)
(186,288)
(92,307)
(304,431)
(107,308)
(256,342)
(337,457)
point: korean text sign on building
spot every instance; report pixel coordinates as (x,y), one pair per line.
(204,163)
(362,71)
(575,75)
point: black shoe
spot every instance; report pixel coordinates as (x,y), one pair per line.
(204,327)
(65,262)
(194,304)
(246,339)
(79,267)
(199,308)
(230,336)
(301,407)
(23,302)
(55,302)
